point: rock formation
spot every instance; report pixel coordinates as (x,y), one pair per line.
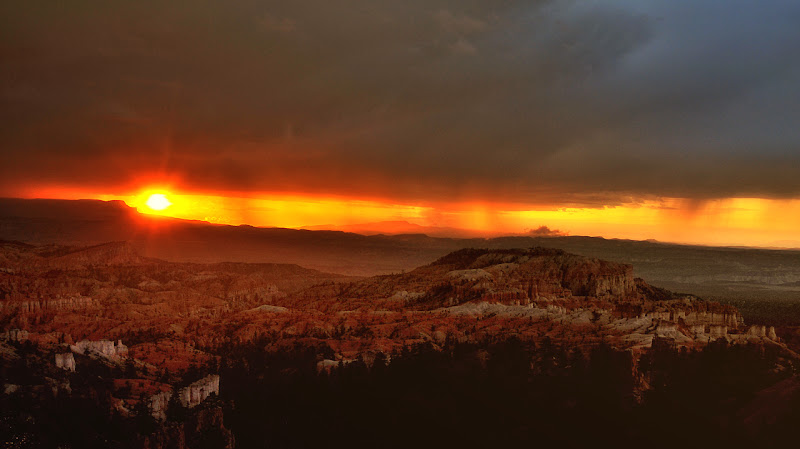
(771,334)
(65,361)
(197,392)
(665,327)
(697,330)
(761,331)
(18,335)
(158,404)
(717,331)
(518,276)
(723,319)
(105,348)
(185,315)
(33,306)
(189,396)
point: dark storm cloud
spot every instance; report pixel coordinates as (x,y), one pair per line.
(570,102)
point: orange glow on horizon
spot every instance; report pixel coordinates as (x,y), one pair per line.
(723,222)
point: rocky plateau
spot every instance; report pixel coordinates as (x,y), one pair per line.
(167,328)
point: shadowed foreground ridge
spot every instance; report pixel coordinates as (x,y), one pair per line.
(481,347)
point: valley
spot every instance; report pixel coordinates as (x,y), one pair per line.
(168,343)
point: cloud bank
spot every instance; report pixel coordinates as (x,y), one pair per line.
(540,102)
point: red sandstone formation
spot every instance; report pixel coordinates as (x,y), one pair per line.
(171,315)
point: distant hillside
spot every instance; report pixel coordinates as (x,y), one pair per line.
(114,253)
(396,228)
(762,283)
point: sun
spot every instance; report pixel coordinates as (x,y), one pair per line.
(158,201)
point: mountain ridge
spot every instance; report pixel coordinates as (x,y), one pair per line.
(763,283)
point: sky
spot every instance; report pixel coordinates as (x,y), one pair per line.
(675,120)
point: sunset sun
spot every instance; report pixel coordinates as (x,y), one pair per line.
(158,201)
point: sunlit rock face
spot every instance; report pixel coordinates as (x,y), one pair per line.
(18,335)
(697,330)
(65,361)
(45,305)
(189,396)
(757,331)
(717,331)
(709,318)
(105,348)
(199,391)
(771,334)
(158,404)
(761,331)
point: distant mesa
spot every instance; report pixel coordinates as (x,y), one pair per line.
(509,276)
(398,227)
(81,210)
(544,231)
